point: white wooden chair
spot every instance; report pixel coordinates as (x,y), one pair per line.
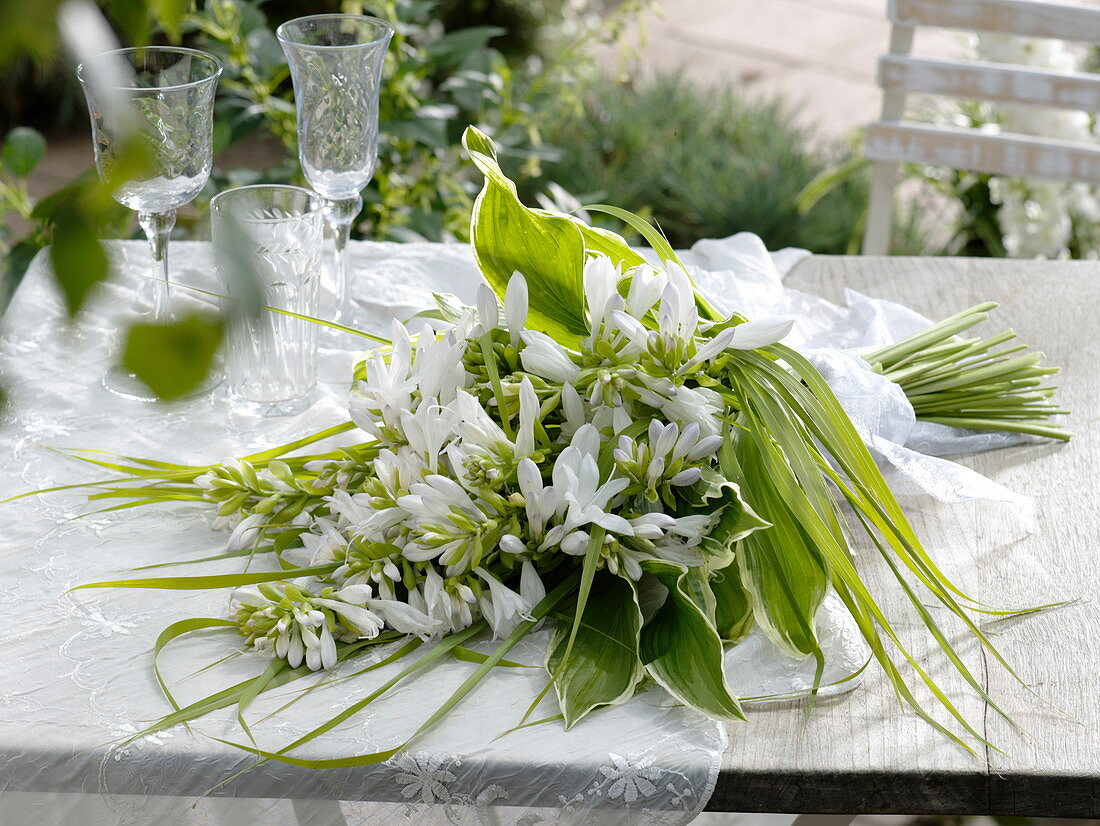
(891,140)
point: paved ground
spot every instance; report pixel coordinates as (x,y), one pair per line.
(821,53)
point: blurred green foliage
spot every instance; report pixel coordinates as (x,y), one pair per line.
(705,162)
(444,71)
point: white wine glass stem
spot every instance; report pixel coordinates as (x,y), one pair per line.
(158,228)
(341,215)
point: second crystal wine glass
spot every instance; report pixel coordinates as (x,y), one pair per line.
(336,67)
(159,100)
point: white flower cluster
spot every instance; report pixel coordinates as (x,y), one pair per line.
(502,458)
(1037,217)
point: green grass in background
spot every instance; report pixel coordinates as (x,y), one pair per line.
(703,161)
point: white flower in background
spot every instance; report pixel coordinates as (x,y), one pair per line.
(1036,217)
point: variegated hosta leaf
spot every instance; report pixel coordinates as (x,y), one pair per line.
(780,568)
(548,249)
(736,520)
(733,616)
(603,666)
(681,648)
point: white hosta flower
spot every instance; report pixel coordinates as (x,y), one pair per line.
(488,310)
(684,405)
(531,587)
(446,524)
(541,503)
(573,409)
(248,532)
(358,618)
(482,454)
(748,336)
(387,390)
(544,357)
(428,430)
(395,470)
(646,286)
(320,647)
(528,415)
(402,617)
(601,293)
(283,618)
(453,608)
(515,306)
(678,317)
(325,543)
(437,370)
(502,607)
(584,499)
(670,458)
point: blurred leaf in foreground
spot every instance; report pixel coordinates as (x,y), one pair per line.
(23,149)
(173,359)
(77,258)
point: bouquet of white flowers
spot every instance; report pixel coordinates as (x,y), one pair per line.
(593,445)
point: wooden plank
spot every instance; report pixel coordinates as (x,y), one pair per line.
(1030,19)
(860,753)
(1001,154)
(977,80)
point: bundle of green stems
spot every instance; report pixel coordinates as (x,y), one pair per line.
(978,383)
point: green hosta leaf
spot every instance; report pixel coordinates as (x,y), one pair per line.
(173,359)
(614,246)
(603,666)
(682,651)
(548,249)
(736,519)
(733,616)
(651,234)
(23,149)
(781,567)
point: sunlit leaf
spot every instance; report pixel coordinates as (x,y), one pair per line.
(508,238)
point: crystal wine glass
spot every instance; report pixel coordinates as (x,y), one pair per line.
(336,67)
(161,100)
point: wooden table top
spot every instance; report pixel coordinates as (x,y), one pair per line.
(860,753)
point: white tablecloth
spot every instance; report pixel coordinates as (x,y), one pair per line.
(76,669)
